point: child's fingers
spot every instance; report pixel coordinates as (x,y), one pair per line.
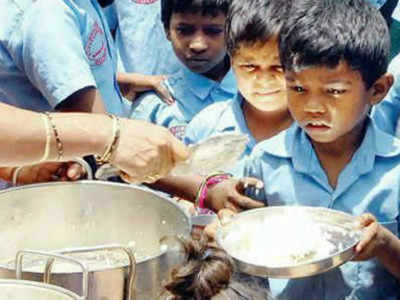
(364,254)
(250,182)
(225,215)
(230,206)
(369,234)
(245,202)
(211,229)
(163,92)
(366,219)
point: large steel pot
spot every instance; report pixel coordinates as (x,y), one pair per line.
(86,214)
(29,290)
(22,289)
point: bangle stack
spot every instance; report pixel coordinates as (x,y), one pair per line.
(48,122)
(60,146)
(106,157)
(207,183)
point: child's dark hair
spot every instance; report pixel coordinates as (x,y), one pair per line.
(208,273)
(324,32)
(206,7)
(251,21)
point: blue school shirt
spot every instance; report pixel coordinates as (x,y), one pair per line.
(110,12)
(293,175)
(192,92)
(218,118)
(52,49)
(141,42)
(386,113)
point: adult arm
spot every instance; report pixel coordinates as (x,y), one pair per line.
(85,100)
(144,149)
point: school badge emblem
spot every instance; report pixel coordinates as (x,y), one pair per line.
(96,46)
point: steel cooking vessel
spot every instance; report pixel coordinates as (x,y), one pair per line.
(67,217)
(22,289)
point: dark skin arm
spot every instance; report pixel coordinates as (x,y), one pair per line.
(85,100)
(132,83)
(184,187)
(226,194)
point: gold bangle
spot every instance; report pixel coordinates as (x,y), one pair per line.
(15,174)
(48,138)
(106,157)
(60,147)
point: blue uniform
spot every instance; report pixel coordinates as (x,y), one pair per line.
(192,92)
(217,118)
(110,12)
(369,183)
(50,49)
(140,38)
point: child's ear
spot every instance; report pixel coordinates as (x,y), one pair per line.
(380,88)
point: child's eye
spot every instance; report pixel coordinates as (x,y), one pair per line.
(212,31)
(278,69)
(297,89)
(185,30)
(335,91)
(249,67)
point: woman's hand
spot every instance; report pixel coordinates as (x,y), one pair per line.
(146,152)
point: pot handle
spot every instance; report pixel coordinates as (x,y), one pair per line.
(127,250)
(46,276)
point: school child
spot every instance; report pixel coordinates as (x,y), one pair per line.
(232,115)
(251,33)
(196,31)
(335,156)
(208,273)
(260,108)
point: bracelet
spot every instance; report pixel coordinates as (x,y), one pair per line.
(60,147)
(48,138)
(207,183)
(105,158)
(15,174)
